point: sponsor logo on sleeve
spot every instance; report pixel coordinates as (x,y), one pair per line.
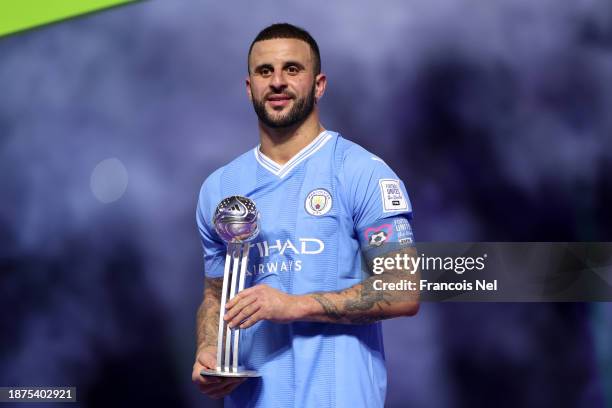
(402,228)
(392,196)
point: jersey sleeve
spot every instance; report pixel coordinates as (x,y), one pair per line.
(213,248)
(376,195)
(375,192)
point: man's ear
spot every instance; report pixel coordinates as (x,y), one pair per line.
(247,81)
(320,85)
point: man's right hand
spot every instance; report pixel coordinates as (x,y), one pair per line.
(212,386)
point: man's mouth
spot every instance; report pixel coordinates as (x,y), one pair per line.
(279,100)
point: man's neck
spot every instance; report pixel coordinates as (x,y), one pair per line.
(281,144)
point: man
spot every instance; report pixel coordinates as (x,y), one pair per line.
(310,317)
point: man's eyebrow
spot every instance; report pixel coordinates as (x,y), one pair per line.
(297,64)
(262,66)
(285,65)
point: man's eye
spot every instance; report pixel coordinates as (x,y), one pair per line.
(265,71)
(293,69)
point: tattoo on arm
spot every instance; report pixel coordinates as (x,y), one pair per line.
(208,313)
(356,305)
(328,306)
(361,303)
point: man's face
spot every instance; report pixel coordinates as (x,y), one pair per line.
(281,82)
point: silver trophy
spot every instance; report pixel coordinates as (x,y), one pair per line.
(236,220)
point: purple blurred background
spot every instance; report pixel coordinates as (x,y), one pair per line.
(497,116)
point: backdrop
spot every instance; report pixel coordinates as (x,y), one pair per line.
(495,114)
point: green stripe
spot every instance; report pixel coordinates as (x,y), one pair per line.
(19,15)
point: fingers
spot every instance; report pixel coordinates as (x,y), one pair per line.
(226,387)
(204,359)
(244,314)
(239,296)
(246,307)
(203,381)
(254,318)
(239,308)
(207,359)
(206,383)
(253,290)
(211,385)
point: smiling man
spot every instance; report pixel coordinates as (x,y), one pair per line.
(311,316)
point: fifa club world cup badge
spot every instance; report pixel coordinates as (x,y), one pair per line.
(236,220)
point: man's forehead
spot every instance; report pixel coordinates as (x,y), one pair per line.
(280,49)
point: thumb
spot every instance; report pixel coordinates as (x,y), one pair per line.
(207,359)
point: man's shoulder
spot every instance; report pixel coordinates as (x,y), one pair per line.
(355,157)
(237,166)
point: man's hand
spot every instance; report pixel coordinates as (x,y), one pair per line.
(214,387)
(261,302)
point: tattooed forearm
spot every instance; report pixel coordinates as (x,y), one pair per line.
(367,299)
(362,303)
(359,304)
(328,306)
(208,314)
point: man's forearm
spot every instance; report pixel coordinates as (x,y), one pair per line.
(362,303)
(359,304)
(207,321)
(366,302)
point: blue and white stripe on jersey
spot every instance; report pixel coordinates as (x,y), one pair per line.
(282,170)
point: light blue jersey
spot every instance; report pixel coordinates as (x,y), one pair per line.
(313,210)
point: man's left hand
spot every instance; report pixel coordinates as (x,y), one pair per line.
(261,302)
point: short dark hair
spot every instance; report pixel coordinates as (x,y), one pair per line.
(286,30)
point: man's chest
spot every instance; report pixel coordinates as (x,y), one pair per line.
(302,220)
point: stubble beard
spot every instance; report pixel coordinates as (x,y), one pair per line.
(299,111)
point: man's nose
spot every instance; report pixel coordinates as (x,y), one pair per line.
(278,81)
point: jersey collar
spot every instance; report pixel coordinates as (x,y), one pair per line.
(282,170)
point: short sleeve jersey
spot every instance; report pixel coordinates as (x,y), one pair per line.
(312,209)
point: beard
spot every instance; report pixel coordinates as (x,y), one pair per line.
(299,111)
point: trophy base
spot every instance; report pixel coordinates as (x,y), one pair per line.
(241,373)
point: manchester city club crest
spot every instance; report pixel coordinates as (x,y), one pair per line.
(318,202)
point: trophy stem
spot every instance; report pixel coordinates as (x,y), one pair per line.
(235,250)
(243,264)
(228,258)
